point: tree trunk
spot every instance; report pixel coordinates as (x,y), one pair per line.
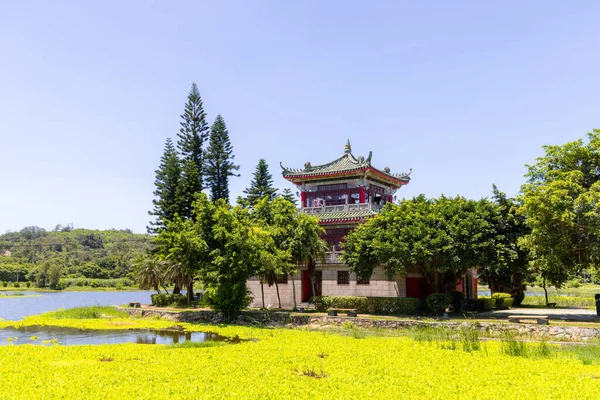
(262,293)
(277,289)
(176,289)
(190,293)
(311,277)
(294,291)
(545,290)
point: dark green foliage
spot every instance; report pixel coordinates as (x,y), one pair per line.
(481,304)
(193,132)
(96,283)
(10,272)
(369,305)
(508,272)
(438,302)
(289,196)
(502,301)
(168,300)
(230,297)
(443,238)
(72,253)
(560,203)
(261,185)
(219,161)
(189,187)
(458,301)
(322,303)
(166,203)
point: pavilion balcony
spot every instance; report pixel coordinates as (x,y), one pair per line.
(332,257)
(341,208)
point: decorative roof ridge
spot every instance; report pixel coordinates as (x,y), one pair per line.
(309,168)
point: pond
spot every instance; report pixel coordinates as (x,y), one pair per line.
(15,308)
(48,335)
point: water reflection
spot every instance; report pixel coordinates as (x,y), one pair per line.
(44,335)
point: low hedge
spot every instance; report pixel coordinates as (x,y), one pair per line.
(368,305)
(165,300)
(503,301)
(480,304)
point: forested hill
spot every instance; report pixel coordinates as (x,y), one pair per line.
(69,255)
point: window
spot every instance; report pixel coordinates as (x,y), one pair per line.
(282,279)
(343,277)
(362,281)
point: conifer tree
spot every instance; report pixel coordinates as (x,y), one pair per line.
(289,196)
(189,185)
(219,161)
(193,132)
(261,185)
(168,174)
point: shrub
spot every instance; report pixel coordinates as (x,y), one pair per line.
(16,284)
(165,300)
(481,304)
(437,302)
(502,301)
(574,283)
(368,305)
(5,284)
(458,301)
(28,284)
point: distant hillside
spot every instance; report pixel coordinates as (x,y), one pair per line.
(72,256)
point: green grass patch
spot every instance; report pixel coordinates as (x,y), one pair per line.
(91,312)
(195,345)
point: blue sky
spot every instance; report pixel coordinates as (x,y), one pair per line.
(464,93)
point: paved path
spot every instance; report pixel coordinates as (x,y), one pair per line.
(571,314)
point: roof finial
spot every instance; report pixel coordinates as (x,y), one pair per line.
(347,147)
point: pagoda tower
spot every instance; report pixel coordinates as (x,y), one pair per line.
(344,192)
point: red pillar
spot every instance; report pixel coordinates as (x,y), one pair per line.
(362,194)
(303,199)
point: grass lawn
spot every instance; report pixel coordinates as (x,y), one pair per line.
(348,363)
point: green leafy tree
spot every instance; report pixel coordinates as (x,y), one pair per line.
(187,244)
(219,161)
(166,203)
(508,272)
(443,238)
(193,133)
(261,185)
(289,196)
(149,273)
(561,203)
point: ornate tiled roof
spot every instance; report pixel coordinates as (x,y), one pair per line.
(346,164)
(344,216)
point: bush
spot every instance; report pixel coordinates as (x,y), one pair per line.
(392,305)
(16,284)
(368,305)
(481,304)
(165,300)
(502,301)
(28,284)
(458,301)
(574,283)
(437,302)
(5,284)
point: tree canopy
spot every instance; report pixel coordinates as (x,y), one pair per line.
(261,185)
(442,238)
(561,204)
(219,161)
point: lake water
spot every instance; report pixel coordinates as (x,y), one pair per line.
(16,308)
(48,336)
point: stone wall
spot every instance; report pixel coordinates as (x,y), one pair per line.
(550,332)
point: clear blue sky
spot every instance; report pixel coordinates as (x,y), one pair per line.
(464,93)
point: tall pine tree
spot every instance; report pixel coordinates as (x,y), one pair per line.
(219,161)
(193,132)
(168,175)
(261,185)
(289,196)
(189,185)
